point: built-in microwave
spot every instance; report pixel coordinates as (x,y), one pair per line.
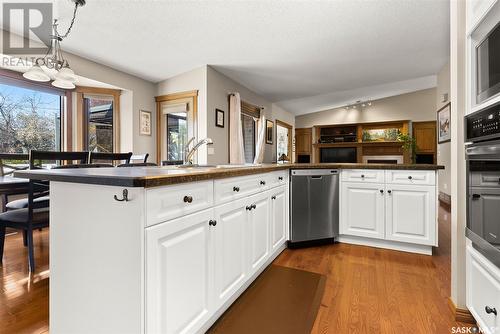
(488,66)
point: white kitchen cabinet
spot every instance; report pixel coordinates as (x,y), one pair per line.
(179,274)
(230,249)
(279,219)
(411,214)
(258,230)
(362,210)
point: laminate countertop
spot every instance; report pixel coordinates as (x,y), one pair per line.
(160,176)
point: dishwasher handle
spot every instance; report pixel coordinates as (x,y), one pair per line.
(317,177)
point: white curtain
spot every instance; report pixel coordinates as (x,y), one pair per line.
(236,150)
(261,137)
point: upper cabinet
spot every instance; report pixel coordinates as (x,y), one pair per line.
(425,136)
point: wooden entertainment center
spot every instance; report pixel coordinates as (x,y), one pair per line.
(358,140)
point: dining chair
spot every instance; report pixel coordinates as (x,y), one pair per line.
(28,219)
(139,164)
(138,158)
(100,157)
(9,163)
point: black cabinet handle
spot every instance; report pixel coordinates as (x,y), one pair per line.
(124,196)
(410,177)
(362,176)
(389,191)
(212,222)
(188,199)
(381,191)
(490,310)
(236,189)
(273,197)
(280,178)
(253,206)
(249,208)
(476,196)
(263,183)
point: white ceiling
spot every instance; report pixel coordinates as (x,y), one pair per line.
(282,50)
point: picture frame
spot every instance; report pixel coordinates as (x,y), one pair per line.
(269,131)
(443,124)
(219,118)
(144,123)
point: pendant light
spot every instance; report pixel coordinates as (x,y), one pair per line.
(65,78)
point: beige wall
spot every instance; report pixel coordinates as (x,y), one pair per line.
(218,88)
(195,79)
(444,154)
(137,94)
(415,106)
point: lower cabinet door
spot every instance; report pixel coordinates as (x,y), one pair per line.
(259,231)
(278,217)
(179,274)
(411,214)
(362,210)
(230,246)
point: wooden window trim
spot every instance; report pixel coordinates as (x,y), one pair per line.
(81,127)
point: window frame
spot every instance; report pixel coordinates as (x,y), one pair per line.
(13,78)
(81,119)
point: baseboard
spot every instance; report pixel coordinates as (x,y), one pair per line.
(445,200)
(460,314)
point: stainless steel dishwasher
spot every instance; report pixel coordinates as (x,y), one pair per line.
(314,206)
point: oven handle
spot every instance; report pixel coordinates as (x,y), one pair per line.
(483,150)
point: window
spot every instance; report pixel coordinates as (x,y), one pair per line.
(99,123)
(30,118)
(249,116)
(176,136)
(97,119)
(248,125)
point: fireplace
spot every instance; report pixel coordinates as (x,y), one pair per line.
(383,159)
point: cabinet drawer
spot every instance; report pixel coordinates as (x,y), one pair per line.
(483,290)
(422,177)
(278,178)
(363,175)
(170,202)
(237,187)
(485,179)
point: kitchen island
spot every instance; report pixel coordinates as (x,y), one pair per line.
(167,250)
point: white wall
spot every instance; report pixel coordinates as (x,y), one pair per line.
(138,94)
(443,154)
(192,80)
(415,106)
(218,88)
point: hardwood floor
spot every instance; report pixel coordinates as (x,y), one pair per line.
(368,290)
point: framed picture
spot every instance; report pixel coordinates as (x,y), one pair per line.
(443,123)
(145,123)
(269,131)
(219,118)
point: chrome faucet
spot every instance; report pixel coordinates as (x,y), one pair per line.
(188,154)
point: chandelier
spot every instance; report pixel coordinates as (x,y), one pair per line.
(53,60)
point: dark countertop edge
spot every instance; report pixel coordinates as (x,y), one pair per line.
(201,175)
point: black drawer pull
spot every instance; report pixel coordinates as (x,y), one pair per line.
(248,208)
(212,222)
(273,197)
(410,177)
(263,183)
(389,191)
(490,310)
(253,206)
(362,176)
(236,189)
(188,199)
(476,196)
(381,191)
(280,178)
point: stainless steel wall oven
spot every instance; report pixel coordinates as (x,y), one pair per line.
(483,181)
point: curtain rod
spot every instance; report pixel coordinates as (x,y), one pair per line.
(260,107)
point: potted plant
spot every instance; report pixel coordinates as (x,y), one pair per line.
(409,145)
